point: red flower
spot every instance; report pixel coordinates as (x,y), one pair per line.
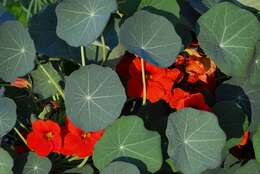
(122,68)
(181,99)
(78,142)
(45,137)
(159,81)
(21,83)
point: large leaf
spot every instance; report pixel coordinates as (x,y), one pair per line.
(42,28)
(42,85)
(128,137)
(119,167)
(80,22)
(7,115)
(36,164)
(152,37)
(17,52)
(94,97)
(195,140)
(251,167)
(224,36)
(203,5)
(231,118)
(244,93)
(251,3)
(254,68)
(256,143)
(6,162)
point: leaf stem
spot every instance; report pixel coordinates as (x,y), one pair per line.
(103,49)
(29,10)
(21,136)
(52,81)
(82,51)
(144,82)
(83,163)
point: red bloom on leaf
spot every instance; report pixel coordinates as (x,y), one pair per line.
(45,137)
(159,81)
(78,142)
(181,99)
(21,83)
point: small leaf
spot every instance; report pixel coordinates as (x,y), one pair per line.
(17,52)
(42,84)
(251,167)
(7,115)
(37,165)
(6,162)
(256,144)
(195,140)
(87,20)
(127,137)
(119,167)
(224,37)
(231,118)
(152,37)
(94,97)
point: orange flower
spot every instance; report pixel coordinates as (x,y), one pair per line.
(21,83)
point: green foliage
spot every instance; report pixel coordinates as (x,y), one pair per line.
(84,170)
(6,162)
(7,115)
(195,140)
(127,137)
(42,85)
(119,167)
(251,167)
(94,97)
(224,37)
(17,52)
(256,143)
(251,3)
(152,37)
(36,164)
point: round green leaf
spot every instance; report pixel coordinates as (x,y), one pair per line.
(6,162)
(42,85)
(251,3)
(251,167)
(228,35)
(94,97)
(254,68)
(119,167)
(80,22)
(231,118)
(256,143)
(195,140)
(17,52)
(152,37)
(128,137)
(7,115)
(37,165)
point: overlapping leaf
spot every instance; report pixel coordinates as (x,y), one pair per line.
(254,68)
(152,37)
(17,52)
(251,167)
(80,22)
(225,37)
(36,164)
(127,137)
(42,85)
(6,162)
(119,167)
(256,143)
(7,115)
(251,3)
(94,97)
(195,140)
(84,170)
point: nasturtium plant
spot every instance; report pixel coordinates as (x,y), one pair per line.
(195,140)
(128,137)
(129,86)
(94,97)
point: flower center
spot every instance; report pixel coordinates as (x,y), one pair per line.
(49,135)
(85,135)
(148,76)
